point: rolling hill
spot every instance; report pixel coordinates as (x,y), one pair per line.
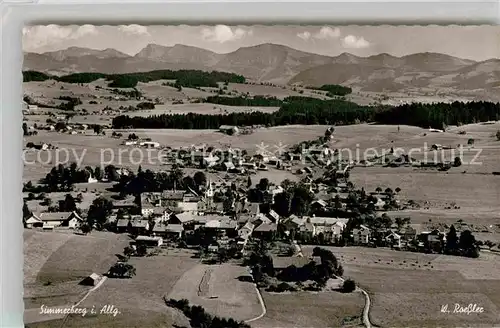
(424,72)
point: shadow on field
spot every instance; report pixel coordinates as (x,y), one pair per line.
(245,278)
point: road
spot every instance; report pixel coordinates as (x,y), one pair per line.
(366,310)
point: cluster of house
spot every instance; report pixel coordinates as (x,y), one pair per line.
(402,238)
(174,214)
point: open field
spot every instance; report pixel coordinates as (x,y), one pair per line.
(408,289)
(55,263)
(218,289)
(466,190)
(305,309)
(95,150)
(201,108)
(139,299)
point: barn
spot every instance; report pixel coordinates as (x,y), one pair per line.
(91,280)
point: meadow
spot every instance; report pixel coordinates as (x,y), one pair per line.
(408,289)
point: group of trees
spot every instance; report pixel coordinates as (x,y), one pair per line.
(260,101)
(185,78)
(62,178)
(121,270)
(334,89)
(436,114)
(307,111)
(69,103)
(199,318)
(295,199)
(465,245)
(149,181)
(293,110)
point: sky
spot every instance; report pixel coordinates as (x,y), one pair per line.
(470,42)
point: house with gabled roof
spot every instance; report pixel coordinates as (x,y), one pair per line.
(265,231)
(361,235)
(221,226)
(318,204)
(122,225)
(246,231)
(393,239)
(33,222)
(181,218)
(168,231)
(71,220)
(307,230)
(138,226)
(273,216)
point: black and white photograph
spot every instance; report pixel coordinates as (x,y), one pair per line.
(263,176)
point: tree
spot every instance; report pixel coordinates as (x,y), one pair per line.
(122,270)
(98,129)
(457,162)
(25,129)
(141,250)
(98,212)
(249,182)
(263,184)
(451,241)
(348,286)
(26,213)
(85,228)
(401,222)
(68,205)
(397,190)
(378,190)
(98,173)
(498,135)
(128,251)
(228,202)
(467,242)
(337,203)
(200,179)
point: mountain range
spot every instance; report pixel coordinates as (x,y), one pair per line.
(281,64)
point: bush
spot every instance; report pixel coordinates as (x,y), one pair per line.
(348,286)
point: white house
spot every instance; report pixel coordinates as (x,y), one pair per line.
(394,240)
(149,241)
(34,222)
(63,219)
(361,235)
(150,144)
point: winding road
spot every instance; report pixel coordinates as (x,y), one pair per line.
(262,304)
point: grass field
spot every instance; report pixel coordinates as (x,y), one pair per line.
(201,108)
(466,190)
(305,309)
(96,150)
(55,263)
(140,299)
(408,289)
(233,298)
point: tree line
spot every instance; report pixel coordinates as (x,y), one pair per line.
(334,89)
(312,111)
(184,78)
(260,101)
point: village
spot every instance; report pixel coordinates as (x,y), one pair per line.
(233,210)
(264,187)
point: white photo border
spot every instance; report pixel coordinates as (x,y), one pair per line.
(15,14)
